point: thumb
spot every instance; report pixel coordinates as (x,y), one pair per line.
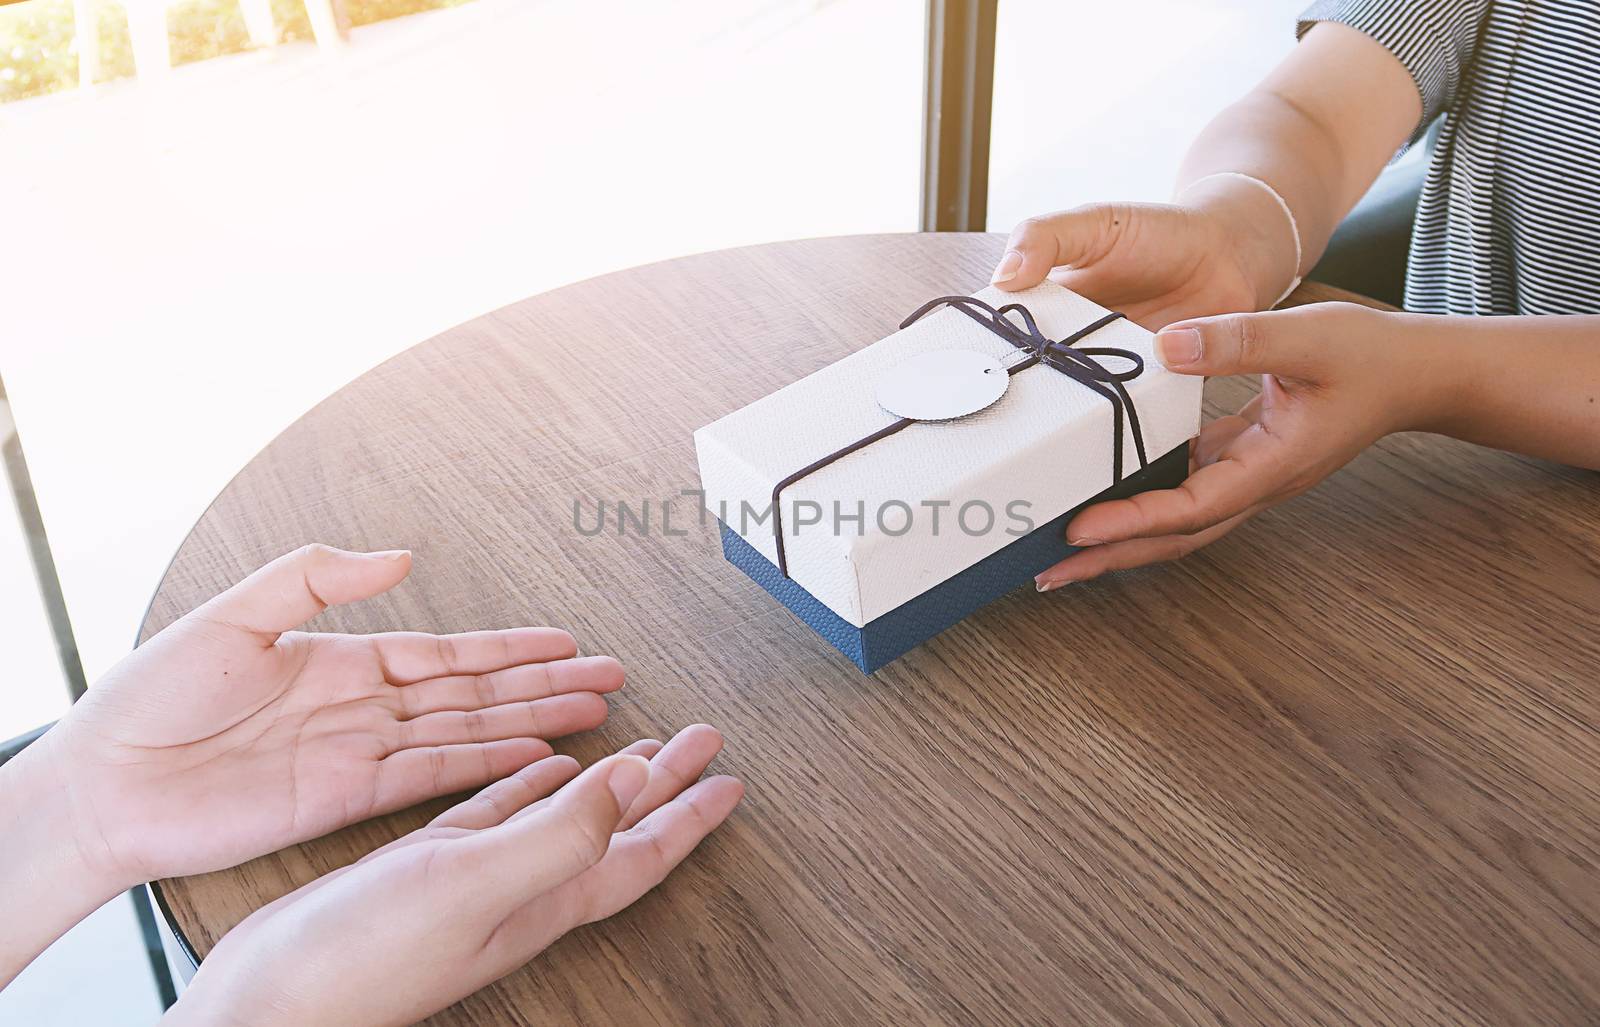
(1040,244)
(297,586)
(1274,342)
(526,857)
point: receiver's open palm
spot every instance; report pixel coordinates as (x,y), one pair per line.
(229,735)
(443,911)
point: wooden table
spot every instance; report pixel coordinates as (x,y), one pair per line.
(1341,766)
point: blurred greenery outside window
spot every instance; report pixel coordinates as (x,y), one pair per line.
(38,54)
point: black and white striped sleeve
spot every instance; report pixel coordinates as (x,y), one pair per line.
(1433,39)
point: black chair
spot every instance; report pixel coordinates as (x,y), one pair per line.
(1368,251)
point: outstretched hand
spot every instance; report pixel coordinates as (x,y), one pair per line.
(477,893)
(230,735)
(1154,262)
(1335,378)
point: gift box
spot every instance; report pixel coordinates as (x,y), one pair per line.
(890,494)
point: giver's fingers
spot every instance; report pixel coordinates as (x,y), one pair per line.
(1292,343)
(1217,436)
(412,656)
(498,802)
(409,776)
(554,717)
(1249,469)
(1069,237)
(297,586)
(1117,556)
(512,684)
(526,857)
(1215,442)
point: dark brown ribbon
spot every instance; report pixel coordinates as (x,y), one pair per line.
(1059,354)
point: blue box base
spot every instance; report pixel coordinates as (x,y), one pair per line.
(916,621)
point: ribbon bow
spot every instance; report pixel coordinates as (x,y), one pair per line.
(1059,354)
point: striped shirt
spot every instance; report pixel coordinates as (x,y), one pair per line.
(1509,220)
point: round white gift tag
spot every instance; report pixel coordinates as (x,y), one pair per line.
(942,385)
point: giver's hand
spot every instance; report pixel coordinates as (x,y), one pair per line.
(440,913)
(228,735)
(1335,378)
(1156,263)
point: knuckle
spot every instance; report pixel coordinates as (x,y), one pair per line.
(443,833)
(438,764)
(446,646)
(1109,221)
(502,802)
(1250,339)
(1029,229)
(1197,516)
(1298,484)
(1179,548)
(1194,521)
(483,690)
(314,553)
(651,835)
(545,680)
(1345,310)
(1158,521)
(402,704)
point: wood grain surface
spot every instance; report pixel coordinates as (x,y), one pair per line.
(1342,766)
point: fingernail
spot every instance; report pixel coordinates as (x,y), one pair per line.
(390,554)
(627,779)
(1085,542)
(1046,585)
(1178,347)
(1010,264)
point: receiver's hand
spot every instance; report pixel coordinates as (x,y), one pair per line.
(229,735)
(447,909)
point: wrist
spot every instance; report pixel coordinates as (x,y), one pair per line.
(1257,233)
(1439,375)
(53,876)
(195,1007)
(233,988)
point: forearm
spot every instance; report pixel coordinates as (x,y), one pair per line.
(1525,384)
(51,879)
(1267,137)
(1317,130)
